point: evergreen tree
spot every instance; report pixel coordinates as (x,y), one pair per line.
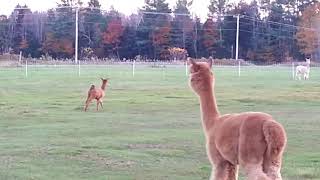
(182,29)
(154,24)
(4,32)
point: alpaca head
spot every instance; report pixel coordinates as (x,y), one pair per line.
(201,77)
(308,60)
(104,80)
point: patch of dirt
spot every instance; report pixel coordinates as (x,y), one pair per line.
(102,160)
(24,112)
(89,147)
(175,97)
(149,146)
(6,162)
(42,151)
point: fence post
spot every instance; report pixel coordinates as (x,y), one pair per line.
(163,71)
(79,69)
(20,56)
(107,67)
(133,67)
(26,68)
(239,68)
(293,70)
(186,68)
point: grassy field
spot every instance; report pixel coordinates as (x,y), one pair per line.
(150,126)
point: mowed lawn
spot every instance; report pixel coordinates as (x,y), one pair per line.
(150,126)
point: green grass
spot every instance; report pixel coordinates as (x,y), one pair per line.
(150,126)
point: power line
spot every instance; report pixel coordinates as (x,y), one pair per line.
(33,23)
(273,22)
(162,13)
(287,37)
(61,7)
(148,27)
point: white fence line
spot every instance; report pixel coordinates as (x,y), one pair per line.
(241,67)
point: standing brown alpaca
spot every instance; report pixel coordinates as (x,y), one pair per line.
(252,140)
(96,93)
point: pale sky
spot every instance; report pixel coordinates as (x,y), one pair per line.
(199,7)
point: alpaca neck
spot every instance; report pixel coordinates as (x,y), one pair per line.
(209,109)
(103,86)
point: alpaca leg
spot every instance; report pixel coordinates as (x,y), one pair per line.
(276,141)
(272,169)
(88,101)
(98,105)
(297,75)
(232,171)
(254,172)
(100,102)
(224,171)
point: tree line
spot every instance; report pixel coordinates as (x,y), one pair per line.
(270,31)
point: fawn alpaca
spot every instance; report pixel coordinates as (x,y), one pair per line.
(252,140)
(96,93)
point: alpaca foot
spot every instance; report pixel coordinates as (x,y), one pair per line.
(273,173)
(254,172)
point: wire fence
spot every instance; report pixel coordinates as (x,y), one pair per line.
(29,67)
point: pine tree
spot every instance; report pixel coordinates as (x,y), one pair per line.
(151,25)
(4,32)
(209,36)
(92,24)
(182,27)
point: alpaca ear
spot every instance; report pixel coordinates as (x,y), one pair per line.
(190,61)
(195,67)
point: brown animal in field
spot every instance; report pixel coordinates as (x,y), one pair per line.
(96,93)
(252,140)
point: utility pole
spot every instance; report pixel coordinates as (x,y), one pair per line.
(237,46)
(237,37)
(76,38)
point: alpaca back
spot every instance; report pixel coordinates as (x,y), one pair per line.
(239,137)
(95,93)
(98,93)
(302,69)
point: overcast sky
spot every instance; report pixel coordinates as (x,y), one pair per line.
(199,7)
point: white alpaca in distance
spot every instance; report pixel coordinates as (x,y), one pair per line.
(303,70)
